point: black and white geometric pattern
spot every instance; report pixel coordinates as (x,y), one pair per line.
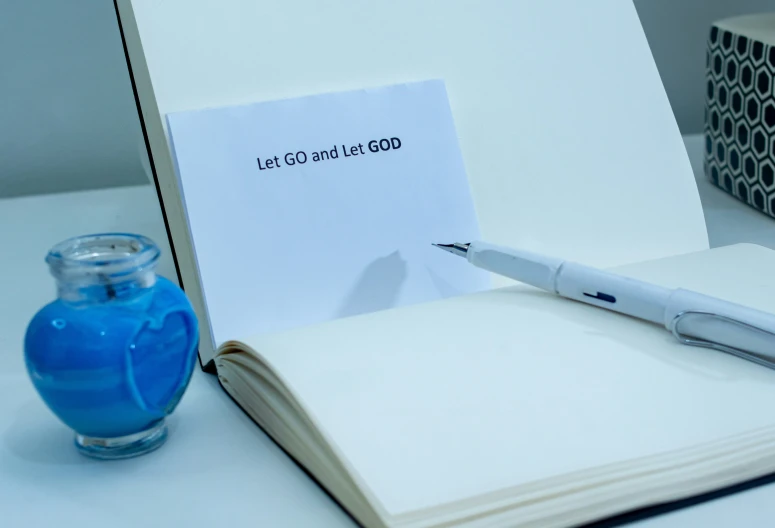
(740,118)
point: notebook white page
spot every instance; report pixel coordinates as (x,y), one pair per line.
(515,385)
(567,135)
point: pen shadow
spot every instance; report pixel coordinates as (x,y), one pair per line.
(377,288)
(442,286)
(703,362)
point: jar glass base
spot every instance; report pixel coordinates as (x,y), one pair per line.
(125,446)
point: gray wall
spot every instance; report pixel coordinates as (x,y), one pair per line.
(67,116)
(677,31)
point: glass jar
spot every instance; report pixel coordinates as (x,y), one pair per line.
(113,354)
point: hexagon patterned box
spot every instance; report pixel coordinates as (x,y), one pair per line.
(740,109)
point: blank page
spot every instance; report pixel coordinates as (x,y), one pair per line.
(515,385)
(566,132)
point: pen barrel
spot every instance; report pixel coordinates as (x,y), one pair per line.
(613,292)
(523,266)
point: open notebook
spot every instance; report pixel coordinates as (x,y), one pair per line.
(500,408)
(566,133)
(515,407)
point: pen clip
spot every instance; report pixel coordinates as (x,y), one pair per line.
(760,338)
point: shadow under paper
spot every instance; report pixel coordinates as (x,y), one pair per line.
(377,288)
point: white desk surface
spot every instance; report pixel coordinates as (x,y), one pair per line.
(217,468)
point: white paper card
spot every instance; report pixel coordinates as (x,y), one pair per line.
(308,209)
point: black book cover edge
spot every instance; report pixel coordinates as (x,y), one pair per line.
(611,522)
(210,366)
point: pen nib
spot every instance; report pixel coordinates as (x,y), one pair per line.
(456,249)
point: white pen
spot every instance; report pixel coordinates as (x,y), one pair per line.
(693,318)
